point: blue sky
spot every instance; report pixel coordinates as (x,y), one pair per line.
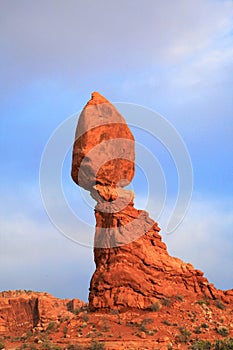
(172,57)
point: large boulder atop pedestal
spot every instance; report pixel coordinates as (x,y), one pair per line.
(103,152)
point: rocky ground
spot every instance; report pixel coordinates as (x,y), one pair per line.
(30,320)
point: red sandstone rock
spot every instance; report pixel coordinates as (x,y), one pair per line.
(133,267)
(31,310)
(141,272)
(103,152)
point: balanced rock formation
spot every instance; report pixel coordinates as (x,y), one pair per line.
(133,267)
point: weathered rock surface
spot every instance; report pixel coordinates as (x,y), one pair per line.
(32,310)
(140,273)
(157,328)
(103,152)
(133,267)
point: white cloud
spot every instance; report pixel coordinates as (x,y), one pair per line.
(76,40)
(211,67)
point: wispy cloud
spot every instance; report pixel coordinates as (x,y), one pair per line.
(56,40)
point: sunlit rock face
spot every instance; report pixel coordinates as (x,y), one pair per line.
(133,267)
(103,152)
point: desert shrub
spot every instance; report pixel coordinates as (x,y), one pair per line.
(144,323)
(2,346)
(114,312)
(96,346)
(201,345)
(28,346)
(179,297)
(85,317)
(51,326)
(222,331)
(15,339)
(166,301)
(202,301)
(65,331)
(167,323)
(197,330)
(226,344)
(105,327)
(155,307)
(47,346)
(184,335)
(219,304)
(192,315)
(76,311)
(205,325)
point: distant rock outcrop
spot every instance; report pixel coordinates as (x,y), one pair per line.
(32,310)
(133,267)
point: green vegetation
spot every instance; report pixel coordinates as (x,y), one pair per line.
(202,301)
(166,302)
(52,326)
(167,323)
(76,311)
(197,330)
(222,331)
(226,344)
(205,325)
(2,346)
(155,307)
(192,315)
(219,304)
(184,335)
(85,317)
(201,345)
(179,297)
(105,327)
(65,331)
(75,347)
(144,323)
(96,346)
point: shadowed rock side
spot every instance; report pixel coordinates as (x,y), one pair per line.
(133,267)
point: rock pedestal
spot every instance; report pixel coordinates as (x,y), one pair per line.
(133,267)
